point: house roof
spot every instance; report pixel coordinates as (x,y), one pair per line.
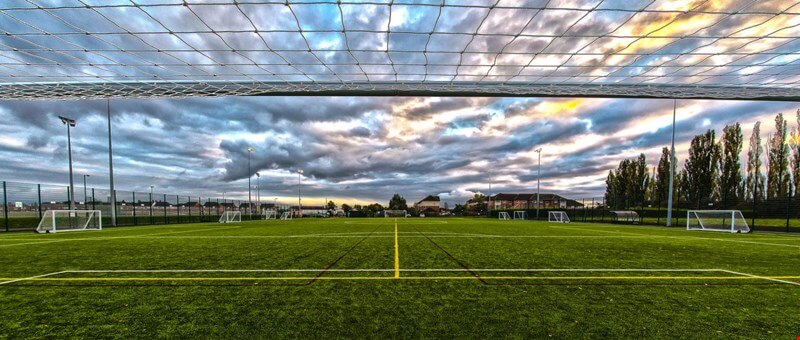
(525,197)
(430,198)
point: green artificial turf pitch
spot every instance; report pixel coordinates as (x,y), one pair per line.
(415,277)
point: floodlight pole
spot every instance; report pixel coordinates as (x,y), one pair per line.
(299,184)
(672,165)
(258,191)
(111,168)
(538,180)
(249,186)
(489,198)
(70,123)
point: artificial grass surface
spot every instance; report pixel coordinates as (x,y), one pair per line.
(560,280)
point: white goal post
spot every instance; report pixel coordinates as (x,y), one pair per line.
(70,220)
(730,221)
(395,213)
(230,216)
(558,216)
(519,215)
(503,216)
(286,216)
(268,214)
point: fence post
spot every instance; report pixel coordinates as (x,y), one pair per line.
(39,197)
(152,220)
(93,200)
(166,219)
(133,203)
(5,206)
(788,208)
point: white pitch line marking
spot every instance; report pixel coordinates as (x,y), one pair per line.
(33,277)
(762,277)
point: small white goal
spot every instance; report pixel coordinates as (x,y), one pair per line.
(54,221)
(730,221)
(519,215)
(286,216)
(230,216)
(395,213)
(503,216)
(268,214)
(558,217)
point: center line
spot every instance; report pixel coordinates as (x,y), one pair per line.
(396,252)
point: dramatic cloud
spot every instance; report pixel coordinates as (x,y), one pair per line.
(356,149)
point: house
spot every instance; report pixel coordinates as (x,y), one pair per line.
(190,205)
(528,201)
(428,206)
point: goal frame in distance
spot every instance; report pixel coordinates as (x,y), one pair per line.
(401,213)
(49,218)
(269,215)
(521,213)
(230,216)
(503,216)
(285,216)
(729,221)
(558,217)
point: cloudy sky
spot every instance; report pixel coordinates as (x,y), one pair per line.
(364,149)
(356,149)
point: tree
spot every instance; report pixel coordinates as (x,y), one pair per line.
(662,177)
(611,187)
(730,179)
(701,168)
(778,173)
(347,208)
(754,182)
(479,208)
(794,145)
(331,205)
(627,185)
(458,209)
(397,203)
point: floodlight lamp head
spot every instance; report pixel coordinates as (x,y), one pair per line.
(299,171)
(250,149)
(539,150)
(258,174)
(65,120)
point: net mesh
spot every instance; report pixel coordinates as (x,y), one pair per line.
(717,220)
(395,213)
(230,216)
(741,49)
(69,220)
(503,216)
(557,216)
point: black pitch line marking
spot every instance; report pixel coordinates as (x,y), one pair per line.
(462,264)
(330,265)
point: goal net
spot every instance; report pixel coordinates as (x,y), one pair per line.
(503,216)
(730,221)
(286,216)
(558,216)
(70,220)
(268,214)
(230,216)
(625,216)
(395,213)
(519,215)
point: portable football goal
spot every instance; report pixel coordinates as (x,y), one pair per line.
(625,216)
(519,215)
(268,214)
(286,216)
(503,216)
(730,221)
(70,220)
(395,213)
(230,216)
(558,217)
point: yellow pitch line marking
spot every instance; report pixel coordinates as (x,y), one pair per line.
(396,252)
(289,278)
